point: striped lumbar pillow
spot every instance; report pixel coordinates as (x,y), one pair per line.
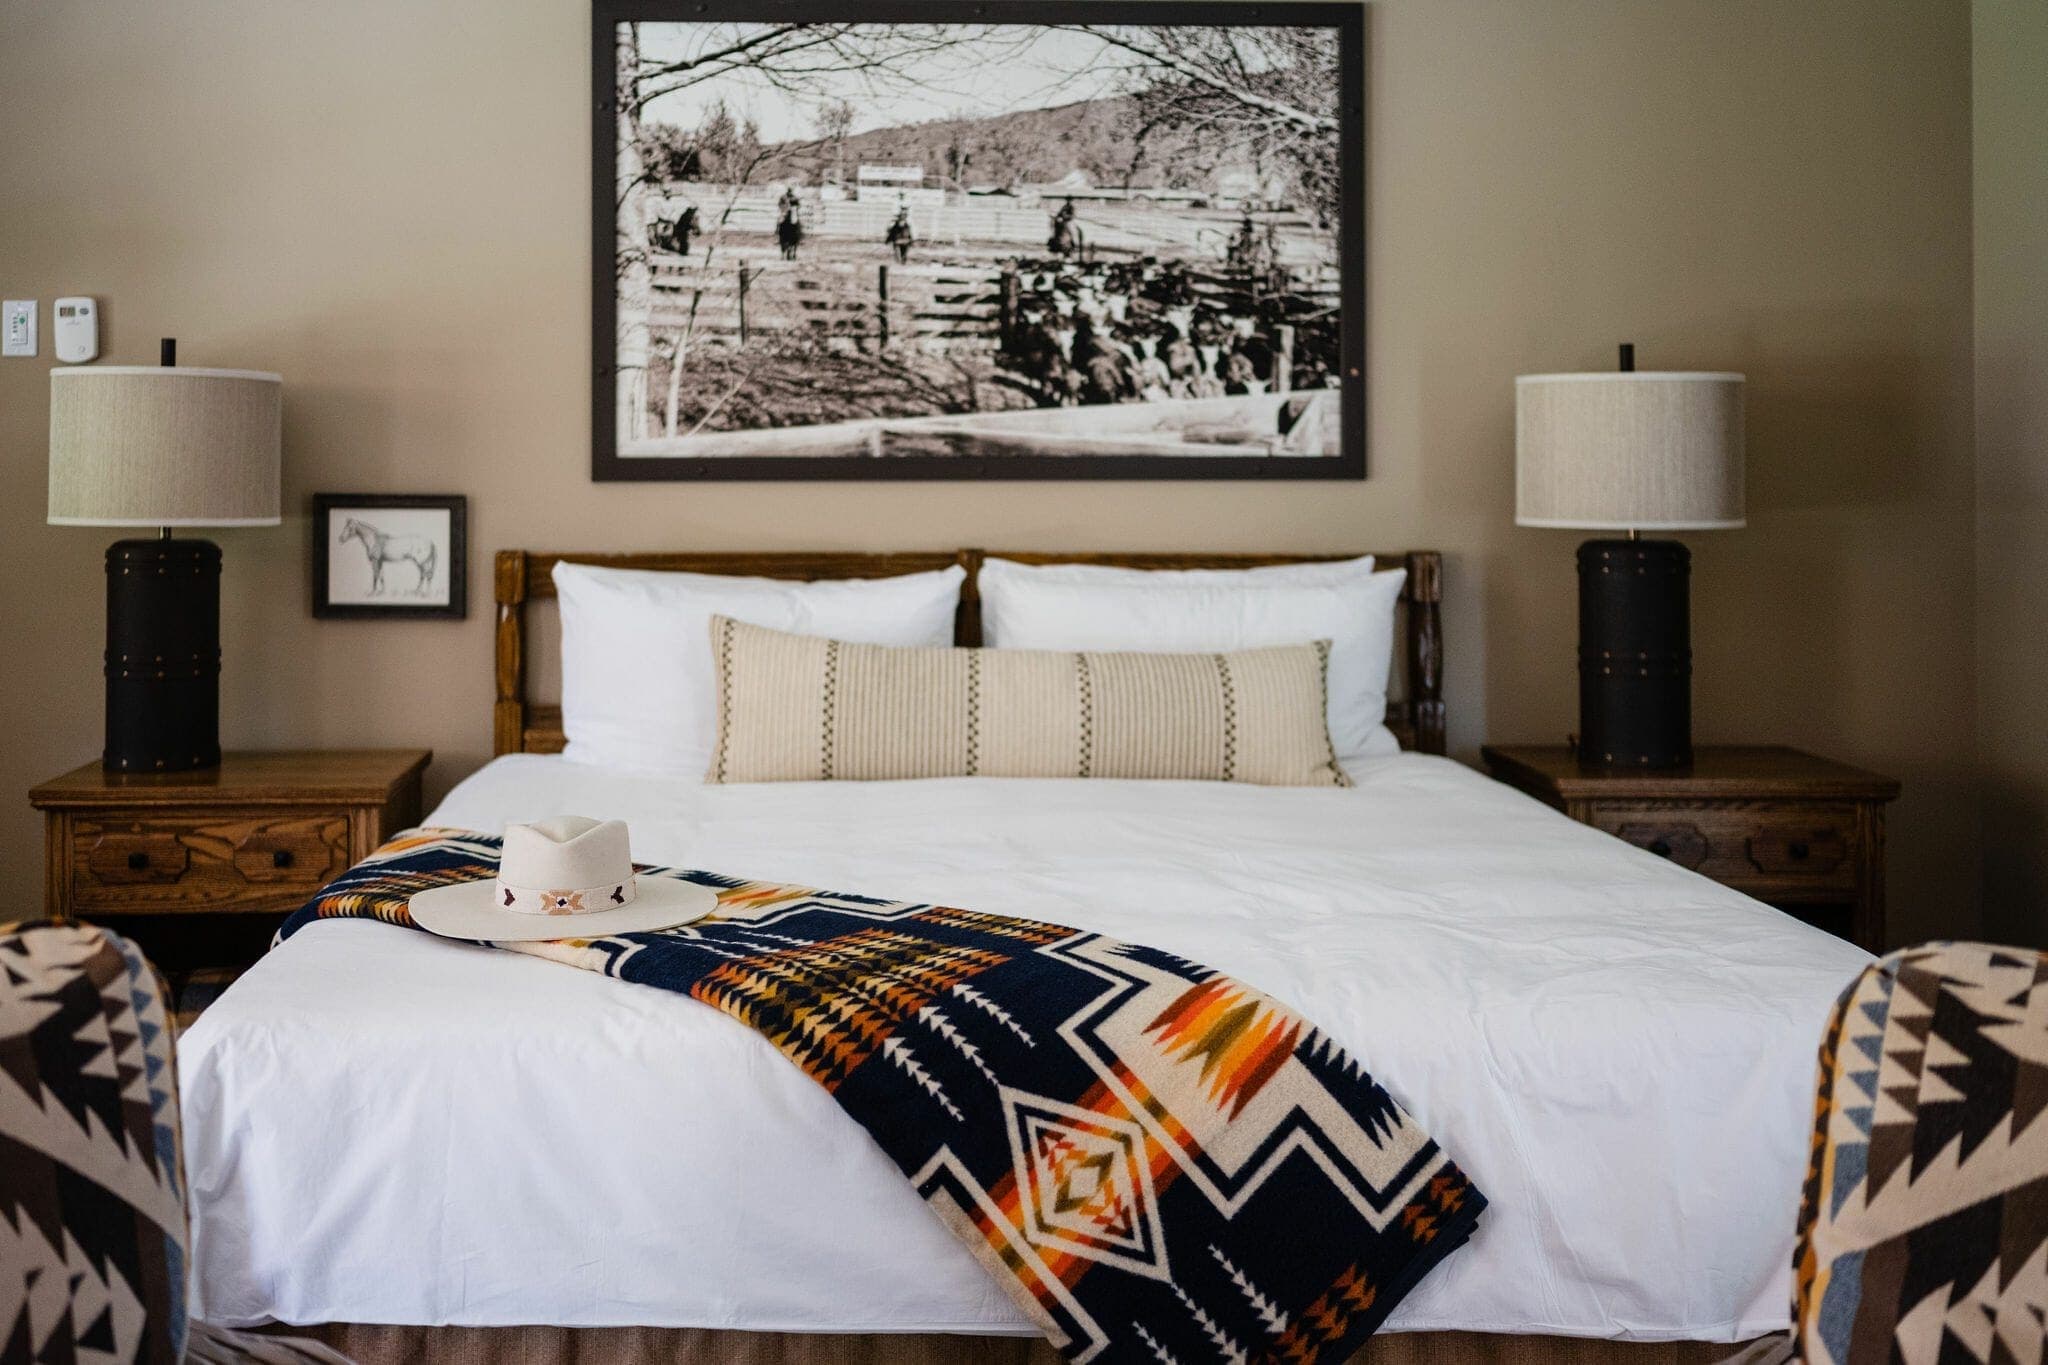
(799,708)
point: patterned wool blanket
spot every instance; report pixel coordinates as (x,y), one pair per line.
(1158,1162)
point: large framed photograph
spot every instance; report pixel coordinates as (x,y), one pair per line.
(849,239)
(388,555)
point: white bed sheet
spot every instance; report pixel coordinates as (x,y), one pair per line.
(386,1127)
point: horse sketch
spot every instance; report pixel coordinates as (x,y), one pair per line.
(383,548)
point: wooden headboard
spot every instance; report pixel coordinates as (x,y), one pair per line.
(521,725)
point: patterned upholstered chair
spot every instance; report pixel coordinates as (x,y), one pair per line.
(1923,1228)
(93,1230)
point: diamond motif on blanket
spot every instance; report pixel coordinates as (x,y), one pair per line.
(1084,1183)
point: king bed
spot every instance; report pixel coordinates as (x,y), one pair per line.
(457,1142)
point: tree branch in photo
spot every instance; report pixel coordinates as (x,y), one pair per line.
(1208,57)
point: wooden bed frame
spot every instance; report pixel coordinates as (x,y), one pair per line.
(519,724)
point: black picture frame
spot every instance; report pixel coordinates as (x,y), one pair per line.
(455,562)
(1347,17)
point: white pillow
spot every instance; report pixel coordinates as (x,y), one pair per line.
(1332,571)
(638,688)
(1026,608)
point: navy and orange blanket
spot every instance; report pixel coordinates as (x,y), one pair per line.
(1158,1162)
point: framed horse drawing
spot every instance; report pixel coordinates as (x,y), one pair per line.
(941,239)
(390,555)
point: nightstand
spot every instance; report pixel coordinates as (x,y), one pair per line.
(254,837)
(1799,832)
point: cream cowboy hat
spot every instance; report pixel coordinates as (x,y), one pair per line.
(569,877)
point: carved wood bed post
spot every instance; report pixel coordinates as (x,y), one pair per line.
(967,620)
(508,716)
(1426,649)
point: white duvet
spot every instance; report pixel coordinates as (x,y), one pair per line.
(386,1127)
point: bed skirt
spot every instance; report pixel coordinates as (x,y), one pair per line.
(375,1345)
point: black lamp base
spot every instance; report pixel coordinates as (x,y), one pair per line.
(1635,654)
(163,656)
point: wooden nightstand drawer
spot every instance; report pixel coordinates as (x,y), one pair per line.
(192,864)
(205,860)
(1786,827)
(1799,845)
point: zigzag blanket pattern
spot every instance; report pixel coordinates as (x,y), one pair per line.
(92,1214)
(1158,1162)
(1923,1233)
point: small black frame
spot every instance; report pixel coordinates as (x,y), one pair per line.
(457,507)
(1345,16)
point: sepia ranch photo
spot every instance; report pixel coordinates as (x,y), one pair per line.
(982,247)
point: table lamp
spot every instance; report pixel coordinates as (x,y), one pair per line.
(1633,452)
(164,447)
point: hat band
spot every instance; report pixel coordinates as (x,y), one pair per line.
(584,900)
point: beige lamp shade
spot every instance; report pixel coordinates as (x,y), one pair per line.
(1633,451)
(134,445)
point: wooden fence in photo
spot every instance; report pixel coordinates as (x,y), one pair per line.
(872,304)
(756,295)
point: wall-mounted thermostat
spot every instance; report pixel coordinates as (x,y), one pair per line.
(77,330)
(18,327)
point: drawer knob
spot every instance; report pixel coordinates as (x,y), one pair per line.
(1797,850)
(137,861)
(281,857)
(1684,845)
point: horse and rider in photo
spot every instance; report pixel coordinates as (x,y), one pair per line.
(1065,239)
(673,234)
(789,224)
(384,547)
(900,237)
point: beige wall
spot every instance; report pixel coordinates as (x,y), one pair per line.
(2010,152)
(386,201)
